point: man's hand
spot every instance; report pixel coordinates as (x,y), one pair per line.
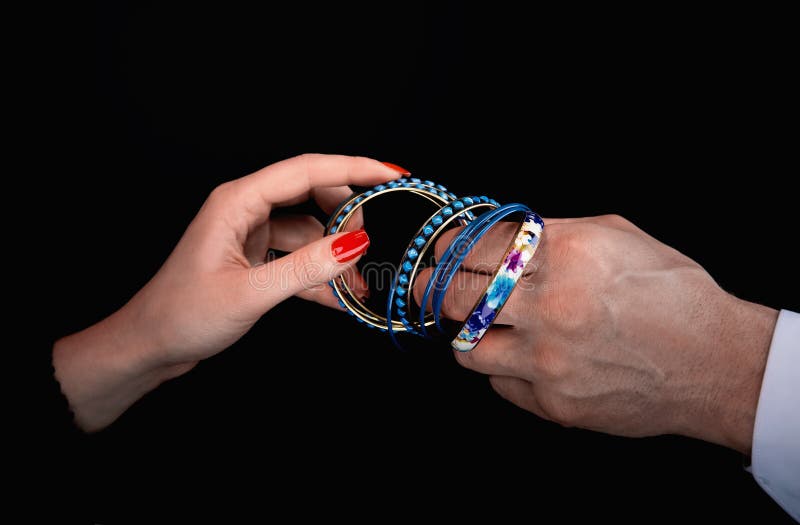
(613,331)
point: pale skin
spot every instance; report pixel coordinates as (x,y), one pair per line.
(609,329)
(214,286)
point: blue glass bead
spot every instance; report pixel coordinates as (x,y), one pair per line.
(407,266)
(403,279)
(414,180)
(333,229)
(429,182)
(401,313)
(448,211)
(400,291)
(339,219)
(420,242)
(347,208)
(330,283)
(458,205)
(368,193)
(441,194)
(427,230)
(484,198)
(400,303)
(393,184)
(468,201)
(432,190)
(360,320)
(341,303)
(412,254)
(452,196)
(402,180)
(441,187)
(358,199)
(492,201)
(437,220)
(380,187)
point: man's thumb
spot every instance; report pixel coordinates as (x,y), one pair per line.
(308,267)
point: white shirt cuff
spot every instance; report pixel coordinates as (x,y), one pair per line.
(776,435)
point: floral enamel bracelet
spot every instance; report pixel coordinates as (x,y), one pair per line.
(517,256)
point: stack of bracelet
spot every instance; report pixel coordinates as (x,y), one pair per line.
(452,210)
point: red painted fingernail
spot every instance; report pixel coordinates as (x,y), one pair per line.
(395,167)
(350,245)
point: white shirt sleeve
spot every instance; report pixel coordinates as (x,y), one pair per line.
(776,436)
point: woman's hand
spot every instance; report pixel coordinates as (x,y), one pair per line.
(216,284)
(614,331)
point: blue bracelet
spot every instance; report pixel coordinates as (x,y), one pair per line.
(462,244)
(429,190)
(452,210)
(403,285)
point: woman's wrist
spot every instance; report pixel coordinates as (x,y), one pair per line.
(107,367)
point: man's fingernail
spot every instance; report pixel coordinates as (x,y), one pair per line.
(350,245)
(395,167)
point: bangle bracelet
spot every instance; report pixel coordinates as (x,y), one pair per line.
(457,251)
(517,256)
(402,289)
(435,193)
(452,210)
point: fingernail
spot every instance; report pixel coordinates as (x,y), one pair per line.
(395,167)
(350,245)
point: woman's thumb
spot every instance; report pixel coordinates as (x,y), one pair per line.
(308,267)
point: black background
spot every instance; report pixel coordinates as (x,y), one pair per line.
(677,120)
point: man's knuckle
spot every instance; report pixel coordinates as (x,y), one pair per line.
(614,220)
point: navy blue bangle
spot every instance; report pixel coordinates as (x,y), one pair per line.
(459,243)
(457,251)
(399,300)
(492,218)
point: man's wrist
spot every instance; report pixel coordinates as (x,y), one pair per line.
(740,352)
